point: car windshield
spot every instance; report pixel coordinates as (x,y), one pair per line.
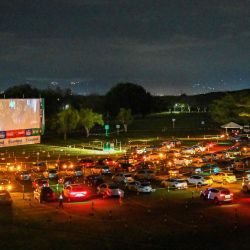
(225,192)
(180,180)
(144,184)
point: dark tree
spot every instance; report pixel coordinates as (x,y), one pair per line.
(22,91)
(128,96)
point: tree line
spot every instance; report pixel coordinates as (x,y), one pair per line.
(65,111)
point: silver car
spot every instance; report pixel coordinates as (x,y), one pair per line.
(176,183)
(109,190)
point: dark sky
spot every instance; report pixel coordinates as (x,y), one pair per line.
(169,47)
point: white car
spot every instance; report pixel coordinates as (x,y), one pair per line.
(182,161)
(200,180)
(177,183)
(224,177)
(141,187)
(109,190)
(123,177)
(217,194)
(188,151)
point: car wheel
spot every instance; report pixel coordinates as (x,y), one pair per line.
(199,184)
(216,201)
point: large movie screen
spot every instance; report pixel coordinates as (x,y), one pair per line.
(21,121)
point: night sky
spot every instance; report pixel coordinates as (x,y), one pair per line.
(168,47)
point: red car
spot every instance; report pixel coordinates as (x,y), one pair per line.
(88,163)
(76,192)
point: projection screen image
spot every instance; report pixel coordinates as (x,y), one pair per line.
(18,114)
(21,121)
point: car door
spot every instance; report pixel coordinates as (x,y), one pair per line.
(216,177)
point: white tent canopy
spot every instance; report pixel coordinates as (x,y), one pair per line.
(232,125)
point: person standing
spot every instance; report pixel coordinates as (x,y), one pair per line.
(60,201)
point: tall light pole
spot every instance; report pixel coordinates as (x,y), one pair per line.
(203,125)
(173,120)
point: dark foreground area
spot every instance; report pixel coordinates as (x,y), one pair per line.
(162,224)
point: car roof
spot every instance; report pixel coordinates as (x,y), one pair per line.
(219,188)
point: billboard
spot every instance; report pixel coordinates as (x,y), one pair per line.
(21,121)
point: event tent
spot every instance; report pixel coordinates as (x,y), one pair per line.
(231,125)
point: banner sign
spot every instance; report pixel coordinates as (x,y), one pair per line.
(19,141)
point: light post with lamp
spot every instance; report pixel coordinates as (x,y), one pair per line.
(173,120)
(203,126)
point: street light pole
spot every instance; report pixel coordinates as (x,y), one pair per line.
(203,125)
(173,120)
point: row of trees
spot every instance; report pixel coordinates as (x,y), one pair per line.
(231,108)
(70,118)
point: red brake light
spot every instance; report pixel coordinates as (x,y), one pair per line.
(231,194)
(222,195)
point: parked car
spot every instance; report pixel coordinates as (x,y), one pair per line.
(145,174)
(182,161)
(5,184)
(23,176)
(76,192)
(63,165)
(123,177)
(5,198)
(140,186)
(188,151)
(177,183)
(94,180)
(75,171)
(126,167)
(87,163)
(40,183)
(109,190)
(44,194)
(217,195)
(107,162)
(224,177)
(245,185)
(100,169)
(200,180)
(51,174)
(68,180)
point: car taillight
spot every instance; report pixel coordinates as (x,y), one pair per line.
(232,194)
(221,195)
